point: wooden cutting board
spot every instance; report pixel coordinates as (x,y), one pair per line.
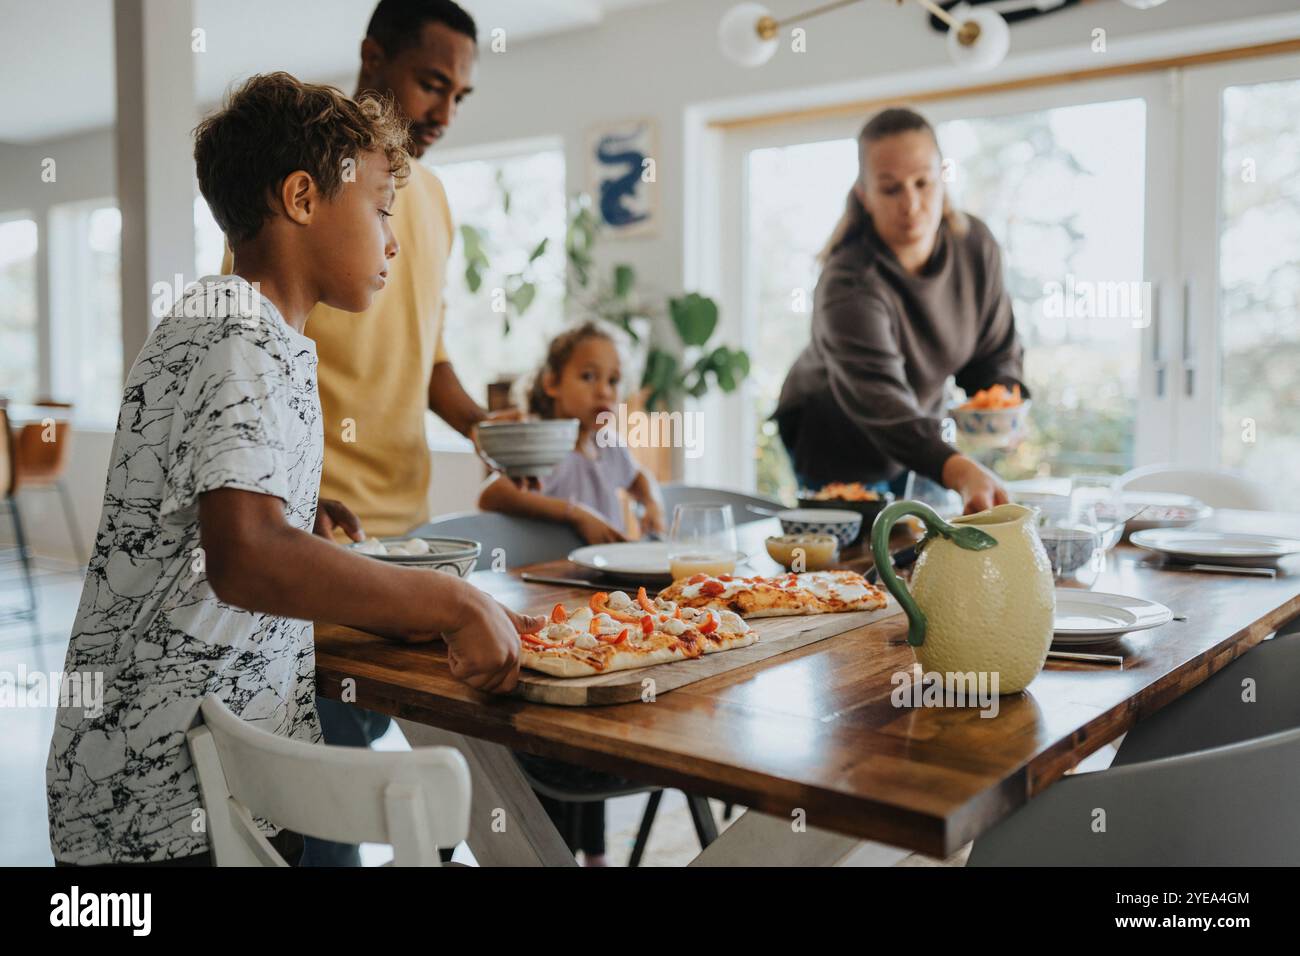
(777,635)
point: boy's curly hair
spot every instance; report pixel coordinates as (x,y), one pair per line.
(274,125)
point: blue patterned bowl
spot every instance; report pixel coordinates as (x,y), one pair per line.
(991,427)
(844,525)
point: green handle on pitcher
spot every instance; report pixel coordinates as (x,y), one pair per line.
(972,539)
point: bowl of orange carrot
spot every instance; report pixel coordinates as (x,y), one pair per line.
(994,417)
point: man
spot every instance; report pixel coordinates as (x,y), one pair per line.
(380,370)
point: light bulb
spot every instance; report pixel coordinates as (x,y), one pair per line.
(738,35)
(980,40)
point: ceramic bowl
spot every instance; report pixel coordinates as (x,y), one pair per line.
(845,526)
(528,449)
(453,555)
(991,427)
(868,509)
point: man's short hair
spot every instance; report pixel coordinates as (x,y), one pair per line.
(275,125)
(395,24)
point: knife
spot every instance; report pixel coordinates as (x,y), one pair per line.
(569,582)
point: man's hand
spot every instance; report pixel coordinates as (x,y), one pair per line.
(483,650)
(979,488)
(592,527)
(331,514)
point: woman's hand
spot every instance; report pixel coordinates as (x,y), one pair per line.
(331,514)
(979,488)
(592,527)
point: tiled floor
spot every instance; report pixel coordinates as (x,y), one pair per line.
(25,731)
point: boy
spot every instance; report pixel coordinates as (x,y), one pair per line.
(206,574)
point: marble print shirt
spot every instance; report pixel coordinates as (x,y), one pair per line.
(223,395)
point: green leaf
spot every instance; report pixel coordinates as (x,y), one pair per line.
(695,317)
(523,297)
(473,239)
(538,252)
(624,278)
(473,278)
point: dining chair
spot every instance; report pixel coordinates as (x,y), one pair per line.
(41,463)
(21,553)
(1252,697)
(524,541)
(1217,487)
(416,800)
(744,508)
(519,541)
(1227,806)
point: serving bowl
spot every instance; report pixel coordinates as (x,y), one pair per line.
(528,449)
(991,427)
(845,526)
(451,555)
(813,552)
(867,509)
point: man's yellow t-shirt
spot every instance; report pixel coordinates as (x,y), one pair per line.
(374,369)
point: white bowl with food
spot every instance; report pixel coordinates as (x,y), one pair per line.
(529,449)
(456,556)
(995,417)
(844,526)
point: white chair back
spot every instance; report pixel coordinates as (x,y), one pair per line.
(416,801)
(1217,487)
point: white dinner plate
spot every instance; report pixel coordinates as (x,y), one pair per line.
(1156,509)
(1216,547)
(628,559)
(1091,617)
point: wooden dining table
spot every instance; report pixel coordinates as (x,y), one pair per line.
(810,742)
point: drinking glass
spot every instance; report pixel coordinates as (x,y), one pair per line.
(1075,543)
(702,540)
(1103,494)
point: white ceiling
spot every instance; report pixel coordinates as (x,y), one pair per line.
(57,55)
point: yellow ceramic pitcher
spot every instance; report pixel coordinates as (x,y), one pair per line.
(982,597)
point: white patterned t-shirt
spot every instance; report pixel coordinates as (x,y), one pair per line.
(223,395)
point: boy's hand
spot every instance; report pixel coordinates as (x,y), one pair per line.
(483,651)
(592,527)
(331,514)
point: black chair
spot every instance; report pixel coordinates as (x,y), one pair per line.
(20,554)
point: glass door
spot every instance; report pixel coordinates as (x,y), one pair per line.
(1062,176)
(1240,380)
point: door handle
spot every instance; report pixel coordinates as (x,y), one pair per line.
(1158,362)
(1189,353)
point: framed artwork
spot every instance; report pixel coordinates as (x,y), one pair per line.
(622,176)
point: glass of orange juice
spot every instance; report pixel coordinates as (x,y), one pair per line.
(702,541)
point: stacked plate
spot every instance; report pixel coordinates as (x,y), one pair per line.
(1092,618)
(1216,547)
(528,449)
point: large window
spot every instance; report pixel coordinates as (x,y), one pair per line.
(1259,281)
(1062,190)
(18,335)
(86,308)
(477,189)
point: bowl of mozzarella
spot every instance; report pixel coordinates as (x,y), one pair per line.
(453,555)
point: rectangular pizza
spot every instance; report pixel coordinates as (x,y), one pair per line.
(614,632)
(812,592)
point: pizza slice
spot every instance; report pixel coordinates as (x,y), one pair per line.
(813,592)
(615,632)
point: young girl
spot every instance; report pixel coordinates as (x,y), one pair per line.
(580,379)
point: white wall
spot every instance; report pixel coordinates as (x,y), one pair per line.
(659,61)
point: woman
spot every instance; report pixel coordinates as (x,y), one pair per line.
(910,293)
